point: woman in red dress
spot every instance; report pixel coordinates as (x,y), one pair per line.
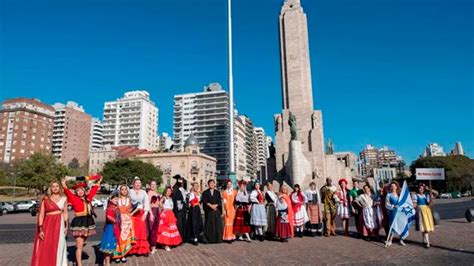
(83,224)
(168,234)
(154,215)
(50,247)
(286,198)
(141,207)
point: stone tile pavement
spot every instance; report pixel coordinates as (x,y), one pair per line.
(452,244)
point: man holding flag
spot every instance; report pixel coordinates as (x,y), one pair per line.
(401,212)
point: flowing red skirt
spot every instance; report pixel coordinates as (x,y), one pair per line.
(45,251)
(168,234)
(141,247)
(242,220)
(282,230)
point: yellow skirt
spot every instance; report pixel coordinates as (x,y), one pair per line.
(425,222)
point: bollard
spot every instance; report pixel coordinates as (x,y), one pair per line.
(436,218)
(469,214)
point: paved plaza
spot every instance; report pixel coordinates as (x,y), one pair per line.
(452,244)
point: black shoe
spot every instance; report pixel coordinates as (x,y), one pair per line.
(261,238)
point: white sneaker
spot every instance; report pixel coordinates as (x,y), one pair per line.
(167,249)
(388,243)
(402,242)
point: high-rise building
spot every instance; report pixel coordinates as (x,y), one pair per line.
(71,133)
(245,148)
(97,137)
(206,115)
(262,147)
(432,150)
(371,158)
(458,149)
(26,127)
(131,121)
(165,142)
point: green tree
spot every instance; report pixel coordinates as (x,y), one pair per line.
(74,164)
(75,169)
(124,170)
(6,171)
(38,170)
(459,171)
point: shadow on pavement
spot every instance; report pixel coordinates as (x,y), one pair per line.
(71,254)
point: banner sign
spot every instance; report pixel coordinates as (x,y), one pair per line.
(430,174)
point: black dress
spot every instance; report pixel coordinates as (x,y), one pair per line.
(271,214)
(179,209)
(213,225)
(194,220)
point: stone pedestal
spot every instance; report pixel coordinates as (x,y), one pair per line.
(297,166)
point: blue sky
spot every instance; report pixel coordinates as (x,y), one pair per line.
(385,72)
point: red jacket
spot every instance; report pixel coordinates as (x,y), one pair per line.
(81,207)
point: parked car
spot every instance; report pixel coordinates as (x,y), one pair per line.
(7,207)
(97,203)
(456,194)
(445,196)
(34,209)
(24,205)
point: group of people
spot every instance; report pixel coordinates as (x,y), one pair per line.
(137,221)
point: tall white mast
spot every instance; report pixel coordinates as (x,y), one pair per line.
(231,91)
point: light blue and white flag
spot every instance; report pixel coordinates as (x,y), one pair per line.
(405,214)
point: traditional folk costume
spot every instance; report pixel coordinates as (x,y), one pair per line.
(258,215)
(228,196)
(194,217)
(368,218)
(424,216)
(126,237)
(83,224)
(271,199)
(242,216)
(180,209)
(168,234)
(213,228)
(390,202)
(153,217)
(283,230)
(291,214)
(378,212)
(142,204)
(108,243)
(51,250)
(353,194)
(330,209)
(343,206)
(315,223)
(300,216)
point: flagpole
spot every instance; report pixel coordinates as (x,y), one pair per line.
(231,93)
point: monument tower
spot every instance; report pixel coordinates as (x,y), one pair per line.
(299,154)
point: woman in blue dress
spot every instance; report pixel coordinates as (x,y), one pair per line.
(424,218)
(391,202)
